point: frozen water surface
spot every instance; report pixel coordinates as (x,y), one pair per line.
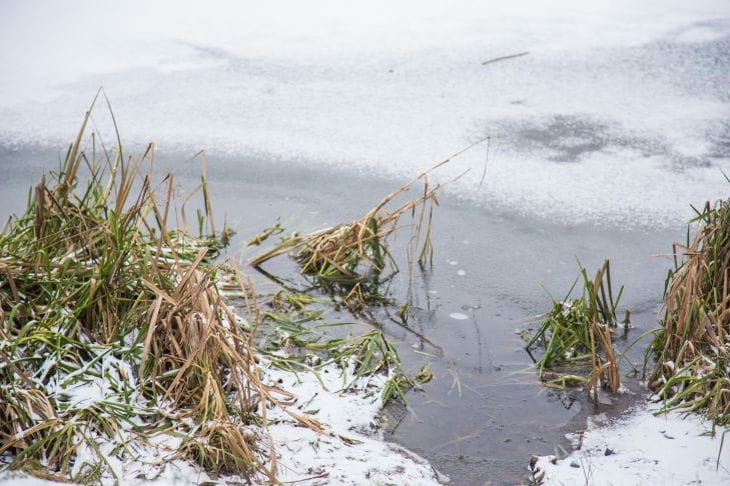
(617,114)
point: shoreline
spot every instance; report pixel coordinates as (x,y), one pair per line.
(482,350)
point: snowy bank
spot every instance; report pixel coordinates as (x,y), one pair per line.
(351,451)
(641,448)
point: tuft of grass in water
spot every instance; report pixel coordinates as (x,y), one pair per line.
(347,254)
(691,347)
(351,257)
(576,336)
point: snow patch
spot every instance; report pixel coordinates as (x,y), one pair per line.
(643,449)
(352,450)
(618,101)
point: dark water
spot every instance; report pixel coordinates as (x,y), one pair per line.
(484,412)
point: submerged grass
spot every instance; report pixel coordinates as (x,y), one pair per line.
(576,336)
(368,354)
(691,347)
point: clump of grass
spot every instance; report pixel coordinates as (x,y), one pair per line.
(576,336)
(691,370)
(201,360)
(223,447)
(97,294)
(350,254)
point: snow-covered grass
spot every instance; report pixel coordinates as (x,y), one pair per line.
(691,370)
(349,451)
(678,436)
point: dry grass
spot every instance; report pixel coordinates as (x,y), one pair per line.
(223,447)
(691,371)
(354,255)
(190,334)
(347,253)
